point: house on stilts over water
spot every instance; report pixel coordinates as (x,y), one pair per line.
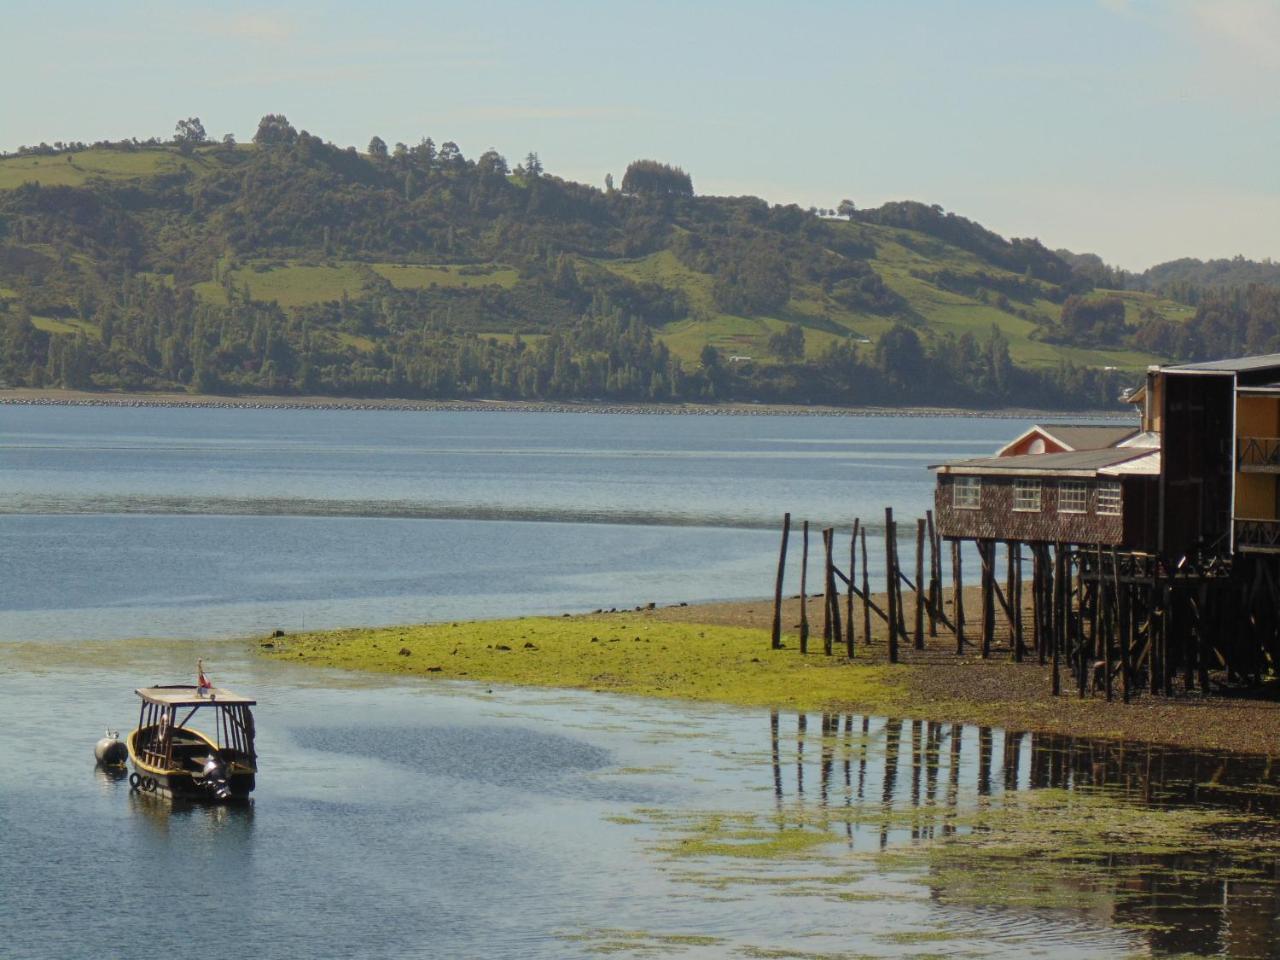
(1155,548)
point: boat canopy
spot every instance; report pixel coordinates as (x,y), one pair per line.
(189,695)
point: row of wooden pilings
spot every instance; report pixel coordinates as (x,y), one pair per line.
(1111,628)
(838,628)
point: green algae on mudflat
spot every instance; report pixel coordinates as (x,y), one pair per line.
(1039,849)
(732,665)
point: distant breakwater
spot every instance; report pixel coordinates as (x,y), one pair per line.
(514,406)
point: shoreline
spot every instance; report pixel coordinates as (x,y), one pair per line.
(720,653)
(39,397)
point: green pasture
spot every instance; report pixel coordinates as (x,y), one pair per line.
(411,276)
(75,169)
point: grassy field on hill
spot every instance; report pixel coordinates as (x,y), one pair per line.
(898,254)
(76,169)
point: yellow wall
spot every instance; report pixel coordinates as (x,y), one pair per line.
(1257,416)
(1256,496)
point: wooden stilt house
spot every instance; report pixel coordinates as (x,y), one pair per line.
(1166,531)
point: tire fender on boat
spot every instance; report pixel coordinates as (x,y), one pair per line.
(135,781)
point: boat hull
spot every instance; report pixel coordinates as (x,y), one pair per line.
(184,783)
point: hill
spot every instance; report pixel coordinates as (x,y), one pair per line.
(292,265)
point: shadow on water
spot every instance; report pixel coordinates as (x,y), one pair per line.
(1177,844)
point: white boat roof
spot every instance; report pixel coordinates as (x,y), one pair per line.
(188,695)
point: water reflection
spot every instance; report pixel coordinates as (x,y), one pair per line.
(929,778)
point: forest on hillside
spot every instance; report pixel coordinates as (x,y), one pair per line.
(151,265)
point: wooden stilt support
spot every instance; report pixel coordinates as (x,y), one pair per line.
(935,575)
(987,551)
(848,609)
(866,588)
(804,595)
(957,595)
(920,585)
(776,640)
(891,583)
(826,591)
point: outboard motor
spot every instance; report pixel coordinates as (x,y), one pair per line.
(109,751)
(215,777)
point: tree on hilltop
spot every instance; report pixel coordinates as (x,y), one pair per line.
(652,178)
(189,134)
(378,148)
(275,130)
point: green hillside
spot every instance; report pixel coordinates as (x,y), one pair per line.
(290,264)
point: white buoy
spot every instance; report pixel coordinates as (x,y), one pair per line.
(109,751)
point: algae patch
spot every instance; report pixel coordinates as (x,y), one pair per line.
(607,653)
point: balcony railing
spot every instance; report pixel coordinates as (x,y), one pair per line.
(1258,535)
(1258,453)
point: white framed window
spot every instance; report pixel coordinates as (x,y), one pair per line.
(1073,496)
(1026,496)
(1109,500)
(966,493)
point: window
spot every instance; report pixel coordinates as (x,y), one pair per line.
(1026,496)
(1109,498)
(1073,496)
(966,493)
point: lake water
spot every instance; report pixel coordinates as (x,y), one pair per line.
(119,522)
(404,818)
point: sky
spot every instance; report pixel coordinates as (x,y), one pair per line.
(1140,130)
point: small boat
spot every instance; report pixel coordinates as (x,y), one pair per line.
(172,759)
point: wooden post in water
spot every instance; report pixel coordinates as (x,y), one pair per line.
(987,551)
(853,572)
(1015,600)
(866,589)
(776,642)
(828,590)
(1061,597)
(935,575)
(804,586)
(957,596)
(920,595)
(890,582)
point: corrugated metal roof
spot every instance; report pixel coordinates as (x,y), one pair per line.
(1231,364)
(1076,463)
(1144,466)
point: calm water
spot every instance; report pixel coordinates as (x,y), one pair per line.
(120,522)
(417,819)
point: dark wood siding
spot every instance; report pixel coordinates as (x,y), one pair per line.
(997,520)
(1197,439)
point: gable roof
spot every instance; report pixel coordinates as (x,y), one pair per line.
(1229,365)
(1076,436)
(1078,463)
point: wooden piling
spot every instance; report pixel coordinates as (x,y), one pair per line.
(935,575)
(848,609)
(804,595)
(987,551)
(829,609)
(866,589)
(919,584)
(891,578)
(957,595)
(776,637)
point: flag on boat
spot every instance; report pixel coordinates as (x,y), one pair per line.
(203,685)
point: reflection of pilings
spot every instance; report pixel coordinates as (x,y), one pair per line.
(893,743)
(1012,759)
(984,761)
(777,758)
(802,724)
(862,756)
(830,726)
(933,749)
(953,775)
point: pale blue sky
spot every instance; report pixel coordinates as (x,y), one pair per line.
(1139,129)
